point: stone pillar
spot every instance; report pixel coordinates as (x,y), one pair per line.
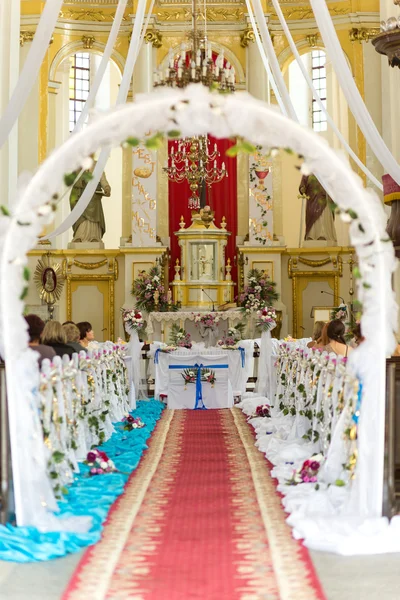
(142,80)
(9,72)
(28,123)
(256,76)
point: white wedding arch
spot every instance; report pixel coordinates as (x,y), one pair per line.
(195,111)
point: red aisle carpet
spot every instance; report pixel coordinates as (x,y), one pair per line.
(200,519)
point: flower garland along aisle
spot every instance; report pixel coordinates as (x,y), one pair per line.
(266,321)
(207,324)
(310,434)
(134,322)
(78,401)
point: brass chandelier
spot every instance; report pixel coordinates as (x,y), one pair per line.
(192,159)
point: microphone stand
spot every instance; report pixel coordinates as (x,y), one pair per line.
(330,294)
(209,297)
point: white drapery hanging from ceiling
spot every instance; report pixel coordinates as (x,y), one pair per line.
(31,68)
(134,48)
(350,90)
(94,88)
(308,79)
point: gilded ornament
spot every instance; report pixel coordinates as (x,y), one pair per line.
(154,37)
(246,37)
(49,281)
(312,39)
(26,36)
(363,34)
(84,15)
(88,41)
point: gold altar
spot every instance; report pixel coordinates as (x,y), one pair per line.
(202,276)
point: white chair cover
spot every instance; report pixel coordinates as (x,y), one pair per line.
(201,394)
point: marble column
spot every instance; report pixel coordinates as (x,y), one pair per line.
(9,72)
(257,81)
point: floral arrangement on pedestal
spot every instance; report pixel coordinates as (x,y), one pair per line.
(133,319)
(258,293)
(150,293)
(99,463)
(266,319)
(232,337)
(308,471)
(179,338)
(131,423)
(340,313)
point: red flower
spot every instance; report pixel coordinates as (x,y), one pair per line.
(130,419)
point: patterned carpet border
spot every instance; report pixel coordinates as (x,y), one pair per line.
(93,575)
(293,570)
(293,567)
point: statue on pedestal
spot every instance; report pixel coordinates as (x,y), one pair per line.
(319,216)
(91,225)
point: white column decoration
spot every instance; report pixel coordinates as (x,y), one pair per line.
(261,216)
(144,194)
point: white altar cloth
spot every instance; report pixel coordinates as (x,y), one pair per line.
(237,374)
(185,319)
(199,393)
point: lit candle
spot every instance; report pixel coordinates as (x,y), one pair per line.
(198,58)
(215,164)
(223,166)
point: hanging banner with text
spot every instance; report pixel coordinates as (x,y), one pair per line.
(261,216)
(144,193)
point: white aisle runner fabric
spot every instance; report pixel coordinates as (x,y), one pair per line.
(199,382)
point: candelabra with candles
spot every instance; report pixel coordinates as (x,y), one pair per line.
(194,161)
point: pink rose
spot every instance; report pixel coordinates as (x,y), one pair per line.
(93,471)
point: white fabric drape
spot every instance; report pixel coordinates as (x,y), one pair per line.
(31,68)
(265,60)
(264,378)
(94,88)
(350,90)
(134,47)
(135,352)
(308,79)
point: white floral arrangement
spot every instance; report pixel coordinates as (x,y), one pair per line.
(266,319)
(133,319)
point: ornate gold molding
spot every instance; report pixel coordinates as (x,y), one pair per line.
(26,36)
(213,14)
(312,39)
(337,263)
(154,37)
(88,41)
(85,15)
(246,37)
(43,242)
(314,263)
(303,13)
(90,266)
(363,34)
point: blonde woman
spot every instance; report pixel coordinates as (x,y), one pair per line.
(54,335)
(73,334)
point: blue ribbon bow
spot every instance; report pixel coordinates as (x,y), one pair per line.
(242,355)
(199,404)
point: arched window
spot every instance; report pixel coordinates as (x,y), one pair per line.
(79,84)
(318,75)
(306,107)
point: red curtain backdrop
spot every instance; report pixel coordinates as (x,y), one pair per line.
(222,198)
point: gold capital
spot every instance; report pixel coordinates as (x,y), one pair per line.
(88,41)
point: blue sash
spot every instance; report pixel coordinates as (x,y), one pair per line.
(199,404)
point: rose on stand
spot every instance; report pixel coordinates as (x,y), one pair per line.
(99,463)
(133,319)
(266,319)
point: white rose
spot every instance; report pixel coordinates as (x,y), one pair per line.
(103,465)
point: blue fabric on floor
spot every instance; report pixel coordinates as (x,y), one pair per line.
(91,496)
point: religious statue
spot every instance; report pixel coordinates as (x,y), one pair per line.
(319,216)
(91,225)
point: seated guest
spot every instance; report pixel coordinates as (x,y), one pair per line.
(54,335)
(35,328)
(86,333)
(323,340)
(337,344)
(317,333)
(73,335)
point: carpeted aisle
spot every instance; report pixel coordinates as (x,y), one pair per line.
(200,519)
